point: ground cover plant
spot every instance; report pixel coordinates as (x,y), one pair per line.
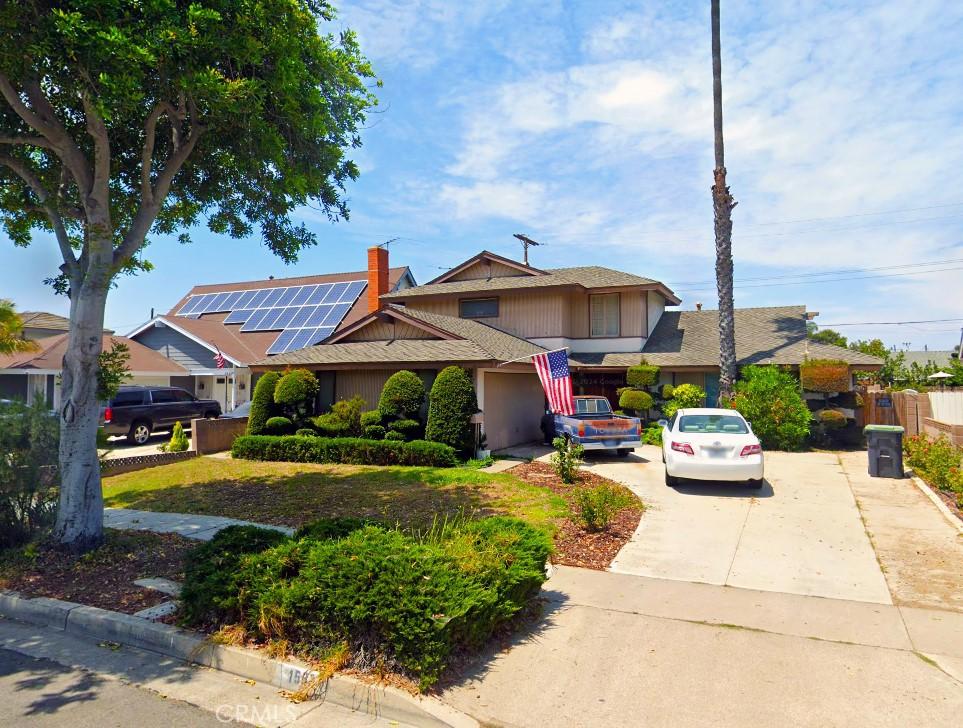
(393,600)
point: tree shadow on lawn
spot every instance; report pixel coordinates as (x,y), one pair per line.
(410,496)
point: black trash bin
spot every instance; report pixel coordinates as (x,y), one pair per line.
(885,443)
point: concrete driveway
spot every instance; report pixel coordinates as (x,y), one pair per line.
(801,534)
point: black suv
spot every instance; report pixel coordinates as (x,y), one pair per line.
(137,411)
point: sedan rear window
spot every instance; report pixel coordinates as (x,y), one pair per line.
(726,424)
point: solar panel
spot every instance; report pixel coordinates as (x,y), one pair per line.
(268,322)
(284,320)
(301,316)
(302,295)
(245,299)
(188,305)
(259,297)
(320,334)
(231,303)
(217,303)
(239,316)
(287,296)
(318,294)
(335,293)
(283,341)
(274,295)
(353,291)
(317,316)
(335,315)
(254,320)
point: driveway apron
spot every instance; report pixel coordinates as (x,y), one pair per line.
(801,533)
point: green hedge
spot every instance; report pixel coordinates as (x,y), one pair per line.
(402,395)
(406,601)
(642,375)
(278,426)
(348,450)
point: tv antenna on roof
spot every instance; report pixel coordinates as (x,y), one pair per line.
(526,241)
(386,243)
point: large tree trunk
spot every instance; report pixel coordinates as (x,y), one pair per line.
(722,204)
(80,518)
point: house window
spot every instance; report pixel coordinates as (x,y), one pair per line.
(478,308)
(604,314)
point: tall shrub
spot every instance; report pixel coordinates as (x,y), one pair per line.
(684,396)
(824,375)
(450,410)
(29,479)
(295,393)
(402,395)
(262,403)
(642,375)
(770,399)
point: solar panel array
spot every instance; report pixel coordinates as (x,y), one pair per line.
(305,315)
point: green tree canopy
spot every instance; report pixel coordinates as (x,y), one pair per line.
(827,336)
(11,330)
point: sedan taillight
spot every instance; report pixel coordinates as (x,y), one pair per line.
(750,450)
(683,447)
(108,415)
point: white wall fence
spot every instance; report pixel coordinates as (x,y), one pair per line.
(947,407)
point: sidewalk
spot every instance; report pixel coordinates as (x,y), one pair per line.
(622,650)
(201,528)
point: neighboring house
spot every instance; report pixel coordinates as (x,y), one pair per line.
(247,321)
(490,311)
(27,375)
(922,358)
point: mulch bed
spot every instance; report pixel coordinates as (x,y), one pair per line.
(575,546)
(950,500)
(102,578)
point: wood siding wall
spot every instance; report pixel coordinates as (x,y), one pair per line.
(484,269)
(389,331)
(526,315)
(177,347)
(366,382)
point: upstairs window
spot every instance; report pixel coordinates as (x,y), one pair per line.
(604,314)
(478,308)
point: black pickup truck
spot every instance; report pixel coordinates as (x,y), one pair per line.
(136,411)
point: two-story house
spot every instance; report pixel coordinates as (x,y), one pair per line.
(491,314)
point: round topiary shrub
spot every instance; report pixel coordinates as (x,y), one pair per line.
(642,375)
(411,429)
(305,432)
(394,435)
(278,426)
(402,395)
(832,419)
(450,410)
(373,432)
(296,391)
(262,403)
(635,400)
(371,417)
(667,390)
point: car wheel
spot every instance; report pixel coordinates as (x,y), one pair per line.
(671,480)
(139,433)
(755,484)
(623,452)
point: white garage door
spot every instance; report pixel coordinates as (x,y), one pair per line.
(513,407)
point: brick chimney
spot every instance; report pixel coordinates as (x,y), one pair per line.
(377,276)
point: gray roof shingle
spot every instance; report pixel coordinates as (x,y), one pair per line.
(772,335)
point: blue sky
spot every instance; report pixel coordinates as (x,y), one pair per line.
(587,125)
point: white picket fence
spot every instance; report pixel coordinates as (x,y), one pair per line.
(947,407)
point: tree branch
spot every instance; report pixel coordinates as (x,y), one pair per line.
(98,132)
(150,205)
(25,141)
(34,183)
(150,137)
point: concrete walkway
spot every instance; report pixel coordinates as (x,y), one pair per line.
(801,534)
(201,528)
(919,547)
(621,650)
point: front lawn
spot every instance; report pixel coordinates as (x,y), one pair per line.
(292,494)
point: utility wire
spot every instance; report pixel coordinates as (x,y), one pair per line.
(894,323)
(827,280)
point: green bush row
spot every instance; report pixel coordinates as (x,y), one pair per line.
(409,601)
(348,450)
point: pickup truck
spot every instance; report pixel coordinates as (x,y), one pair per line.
(137,411)
(595,427)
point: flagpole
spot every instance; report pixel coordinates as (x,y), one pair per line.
(523,358)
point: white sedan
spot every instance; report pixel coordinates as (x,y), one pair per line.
(710,444)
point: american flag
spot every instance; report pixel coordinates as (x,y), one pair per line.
(552,368)
(220,360)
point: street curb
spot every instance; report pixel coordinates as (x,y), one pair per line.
(190,647)
(938,502)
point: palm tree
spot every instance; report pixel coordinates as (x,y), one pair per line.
(722,204)
(11,330)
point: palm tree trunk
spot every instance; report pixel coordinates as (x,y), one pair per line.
(722,204)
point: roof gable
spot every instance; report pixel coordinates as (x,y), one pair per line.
(486,265)
(49,354)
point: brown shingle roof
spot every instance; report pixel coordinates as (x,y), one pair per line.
(475,342)
(588,277)
(774,335)
(251,346)
(50,353)
(44,320)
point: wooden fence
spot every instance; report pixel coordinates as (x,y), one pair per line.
(915,412)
